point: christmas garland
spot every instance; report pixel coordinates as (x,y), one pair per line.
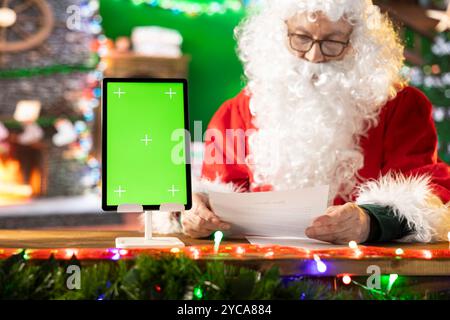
(195,8)
(169,277)
(44,122)
(45,71)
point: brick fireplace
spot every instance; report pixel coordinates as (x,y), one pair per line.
(42,169)
(39,170)
(22,173)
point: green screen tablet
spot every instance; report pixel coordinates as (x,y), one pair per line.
(145,143)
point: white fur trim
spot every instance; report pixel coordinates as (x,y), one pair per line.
(413,200)
(163,223)
(166,223)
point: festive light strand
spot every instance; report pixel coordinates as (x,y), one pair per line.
(236,252)
(346,279)
(192,8)
(353,245)
(198,293)
(392,279)
(321,266)
(218,236)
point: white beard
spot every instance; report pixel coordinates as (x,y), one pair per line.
(310,120)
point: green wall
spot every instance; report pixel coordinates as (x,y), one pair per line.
(215,71)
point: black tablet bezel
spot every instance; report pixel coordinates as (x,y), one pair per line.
(105,82)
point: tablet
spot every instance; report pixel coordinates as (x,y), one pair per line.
(145,151)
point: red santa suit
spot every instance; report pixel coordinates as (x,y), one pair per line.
(401,166)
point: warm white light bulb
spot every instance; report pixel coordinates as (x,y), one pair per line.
(346,279)
(321,267)
(7,17)
(353,245)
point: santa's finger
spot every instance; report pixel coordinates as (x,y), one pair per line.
(195,222)
(343,212)
(328,233)
(328,219)
(208,215)
(330,230)
(322,220)
(331,209)
(208,225)
(193,228)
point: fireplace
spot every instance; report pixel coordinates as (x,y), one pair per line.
(42,186)
(38,170)
(22,172)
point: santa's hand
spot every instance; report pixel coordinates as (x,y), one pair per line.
(341,224)
(200,221)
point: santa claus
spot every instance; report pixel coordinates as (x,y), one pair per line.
(326,104)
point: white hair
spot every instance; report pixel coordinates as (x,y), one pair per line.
(310,117)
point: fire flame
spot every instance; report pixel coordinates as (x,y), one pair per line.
(13,188)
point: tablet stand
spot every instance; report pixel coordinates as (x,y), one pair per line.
(148,241)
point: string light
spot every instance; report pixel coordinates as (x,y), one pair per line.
(71,252)
(353,245)
(392,278)
(116,254)
(427,254)
(198,292)
(193,8)
(346,279)
(175,250)
(195,253)
(26,255)
(218,236)
(241,251)
(358,253)
(321,266)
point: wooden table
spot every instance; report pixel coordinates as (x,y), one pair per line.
(34,239)
(41,239)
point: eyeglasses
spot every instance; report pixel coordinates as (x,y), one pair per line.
(329,48)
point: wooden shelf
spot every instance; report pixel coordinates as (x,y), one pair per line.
(134,65)
(410,15)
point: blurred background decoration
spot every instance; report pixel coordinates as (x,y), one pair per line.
(50,72)
(54,53)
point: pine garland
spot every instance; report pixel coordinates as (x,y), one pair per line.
(47,70)
(169,277)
